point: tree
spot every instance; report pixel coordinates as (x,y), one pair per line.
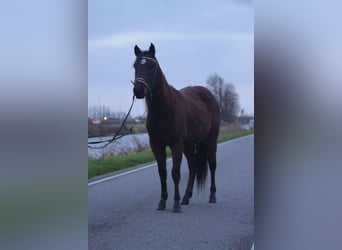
(98,112)
(226,97)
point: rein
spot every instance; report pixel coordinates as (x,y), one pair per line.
(117,134)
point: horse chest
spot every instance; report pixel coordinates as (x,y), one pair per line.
(165,132)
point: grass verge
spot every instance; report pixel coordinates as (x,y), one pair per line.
(106,165)
(231,136)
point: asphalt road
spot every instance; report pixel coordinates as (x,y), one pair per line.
(122,211)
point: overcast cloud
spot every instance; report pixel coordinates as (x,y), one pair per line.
(193,39)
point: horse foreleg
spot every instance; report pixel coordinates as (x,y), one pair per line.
(176,163)
(160,155)
(164,194)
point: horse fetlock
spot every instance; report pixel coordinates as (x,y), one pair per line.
(164,196)
(186,198)
(185,201)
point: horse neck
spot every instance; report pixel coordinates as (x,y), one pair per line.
(162,94)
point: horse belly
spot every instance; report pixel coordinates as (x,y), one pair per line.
(162,136)
(197,129)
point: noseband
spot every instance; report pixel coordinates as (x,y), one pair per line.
(150,85)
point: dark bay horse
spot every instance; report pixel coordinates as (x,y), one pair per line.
(187,121)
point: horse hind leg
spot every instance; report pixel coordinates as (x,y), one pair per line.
(177,151)
(190,155)
(212,167)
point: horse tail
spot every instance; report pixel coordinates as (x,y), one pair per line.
(202,164)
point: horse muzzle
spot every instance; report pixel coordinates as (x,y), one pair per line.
(139,90)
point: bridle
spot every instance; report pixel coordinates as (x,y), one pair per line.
(148,85)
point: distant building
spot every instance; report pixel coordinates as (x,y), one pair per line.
(245,119)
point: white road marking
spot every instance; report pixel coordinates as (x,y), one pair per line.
(122,174)
(151,165)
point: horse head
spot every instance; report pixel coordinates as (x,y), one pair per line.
(146,70)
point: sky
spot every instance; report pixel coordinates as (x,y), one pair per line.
(193,39)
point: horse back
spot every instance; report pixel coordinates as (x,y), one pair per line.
(202,112)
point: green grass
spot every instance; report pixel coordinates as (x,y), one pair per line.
(109,164)
(231,136)
(114,163)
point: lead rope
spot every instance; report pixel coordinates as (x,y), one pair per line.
(117,134)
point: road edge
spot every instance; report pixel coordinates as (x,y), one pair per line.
(116,174)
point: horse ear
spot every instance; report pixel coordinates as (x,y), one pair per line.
(152,50)
(137,50)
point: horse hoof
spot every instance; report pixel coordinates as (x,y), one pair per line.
(186,198)
(185,202)
(212,199)
(161,205)
(177,209)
